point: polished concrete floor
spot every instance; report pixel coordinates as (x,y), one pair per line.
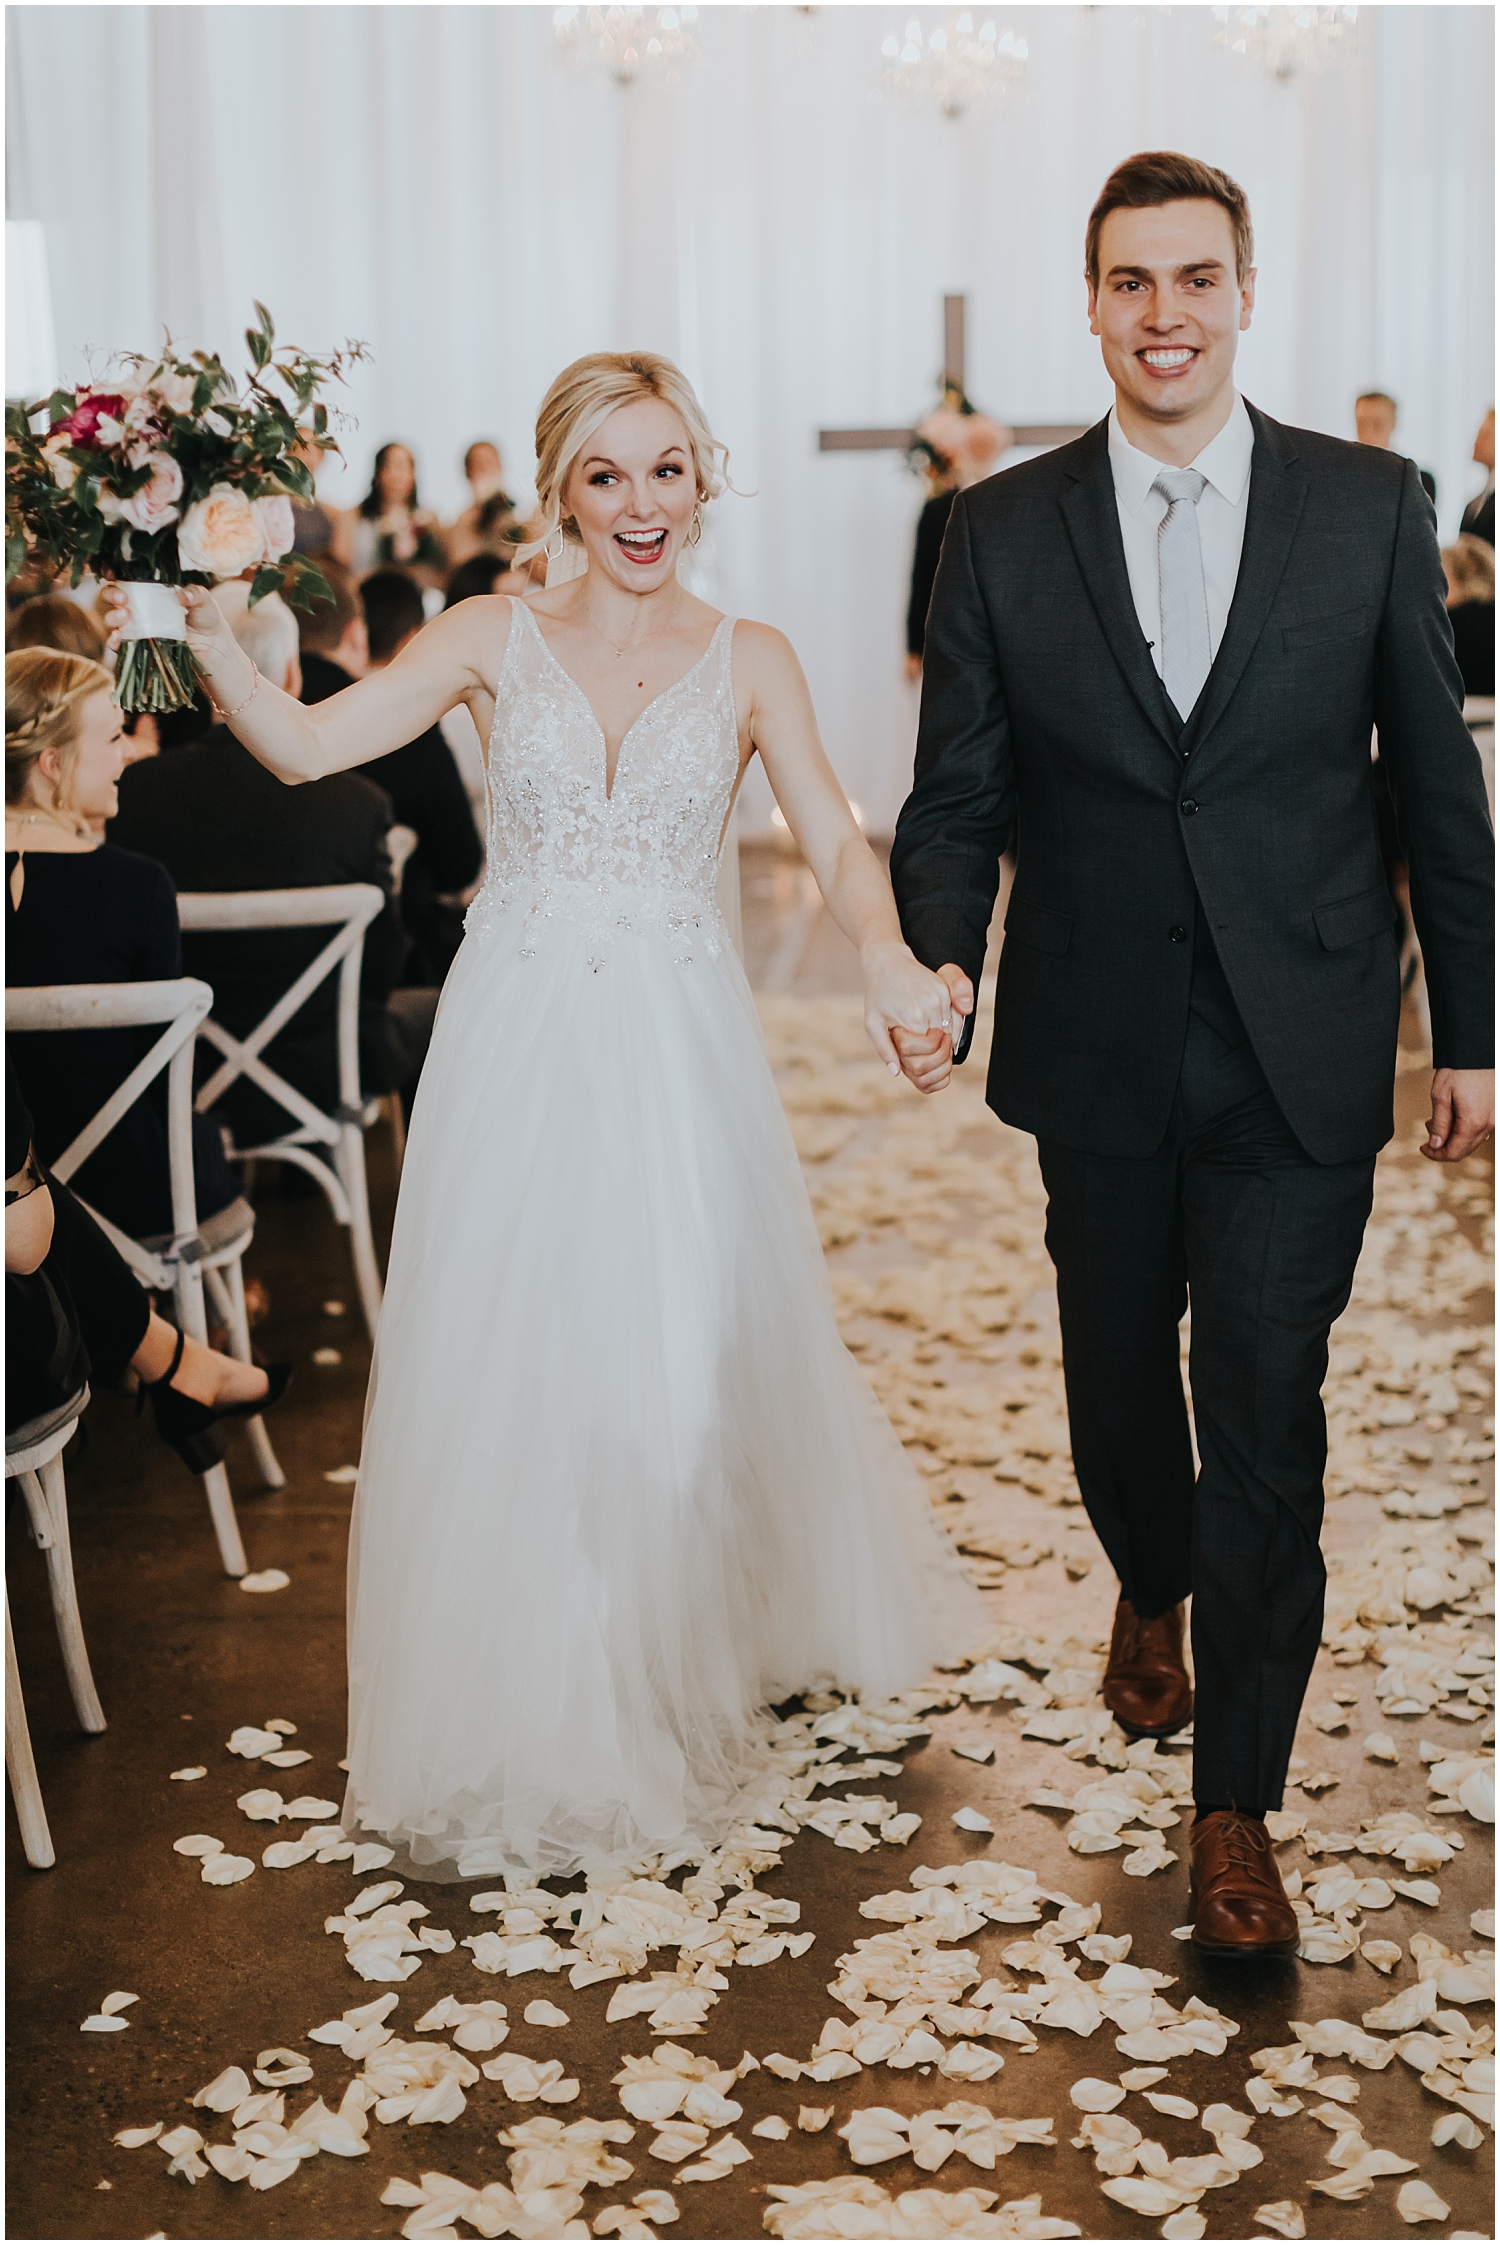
(182,1657)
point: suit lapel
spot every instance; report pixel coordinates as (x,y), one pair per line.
(1093,524)
(1278,491)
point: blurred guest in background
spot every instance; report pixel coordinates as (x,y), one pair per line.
(314,525)
(66,626)
(50,619)
(425,786)
(78,910)
(962,448)
(1375,423)
(490,508)
(1469,567)
(335,650)
(390,529)
(481,573)
(1479,514)
(219,821)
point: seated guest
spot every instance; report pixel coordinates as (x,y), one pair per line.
(334,649)
(75,1311)
(389,529)
(429,795)
(482,524)
(1375,423)
(52,620)
(82,910)
(313,525)
(1469,568)
(218,821)
(1479,515)
(481,573)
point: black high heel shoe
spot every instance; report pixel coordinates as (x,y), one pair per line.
(192,1428)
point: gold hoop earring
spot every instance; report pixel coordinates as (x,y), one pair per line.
(695,527)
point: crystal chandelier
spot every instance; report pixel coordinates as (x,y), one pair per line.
(1286,40)
(624,44)
(956,66)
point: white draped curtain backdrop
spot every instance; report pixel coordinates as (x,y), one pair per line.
(436,181)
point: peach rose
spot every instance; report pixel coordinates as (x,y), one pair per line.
(174,390)
(155,504)
(277,524)
(64,472)
(220,535)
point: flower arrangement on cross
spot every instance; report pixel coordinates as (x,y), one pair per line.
(169,472)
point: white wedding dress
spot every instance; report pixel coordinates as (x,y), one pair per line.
(622,1484)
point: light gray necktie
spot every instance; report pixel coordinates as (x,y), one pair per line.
(1186,654)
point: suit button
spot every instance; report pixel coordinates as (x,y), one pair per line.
(1188,807)
(1177,935)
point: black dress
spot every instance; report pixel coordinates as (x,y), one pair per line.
(81,1314)
(1473,624)
(105,916)
(931,523)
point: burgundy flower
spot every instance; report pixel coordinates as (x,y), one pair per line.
(82,424)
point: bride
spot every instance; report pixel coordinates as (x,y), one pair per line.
(622,1486)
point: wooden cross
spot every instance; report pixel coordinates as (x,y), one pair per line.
(902,440)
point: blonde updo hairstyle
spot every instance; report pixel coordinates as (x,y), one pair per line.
(583,397)
(45,695)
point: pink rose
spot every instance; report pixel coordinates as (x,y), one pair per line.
(82,424)
(277,524)
(221,535)
(155,504)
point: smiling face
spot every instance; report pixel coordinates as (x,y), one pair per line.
(632,492)
(1169,311)
(82,780)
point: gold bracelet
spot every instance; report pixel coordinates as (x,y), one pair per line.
(225,714)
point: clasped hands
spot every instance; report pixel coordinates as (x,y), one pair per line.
(924,1055)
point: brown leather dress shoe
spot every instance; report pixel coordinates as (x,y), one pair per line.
(1240,1907)
(1146,1686)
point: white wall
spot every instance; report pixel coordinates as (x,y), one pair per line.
(433,180)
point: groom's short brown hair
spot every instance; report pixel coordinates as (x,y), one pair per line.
(1162,176)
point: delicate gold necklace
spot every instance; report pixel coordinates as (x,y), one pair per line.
(631,645)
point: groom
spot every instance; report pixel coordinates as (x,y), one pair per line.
(1155,658)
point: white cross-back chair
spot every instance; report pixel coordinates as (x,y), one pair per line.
(330,1148)
(181,1266)
(33,1457)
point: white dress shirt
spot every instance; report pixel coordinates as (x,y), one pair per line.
(1225,461)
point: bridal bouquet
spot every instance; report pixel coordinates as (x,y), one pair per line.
(170,473)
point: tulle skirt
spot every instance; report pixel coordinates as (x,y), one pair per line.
(622,1485)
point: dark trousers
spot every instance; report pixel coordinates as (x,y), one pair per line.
(1231,1215)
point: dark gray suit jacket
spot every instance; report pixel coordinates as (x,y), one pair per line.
(1043,716)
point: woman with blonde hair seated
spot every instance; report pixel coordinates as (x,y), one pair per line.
(623,1489)
(80,910)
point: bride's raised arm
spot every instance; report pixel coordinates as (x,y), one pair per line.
(453,659)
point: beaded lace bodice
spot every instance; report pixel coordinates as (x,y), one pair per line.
(640,860)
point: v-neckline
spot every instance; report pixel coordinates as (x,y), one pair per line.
(611,784)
